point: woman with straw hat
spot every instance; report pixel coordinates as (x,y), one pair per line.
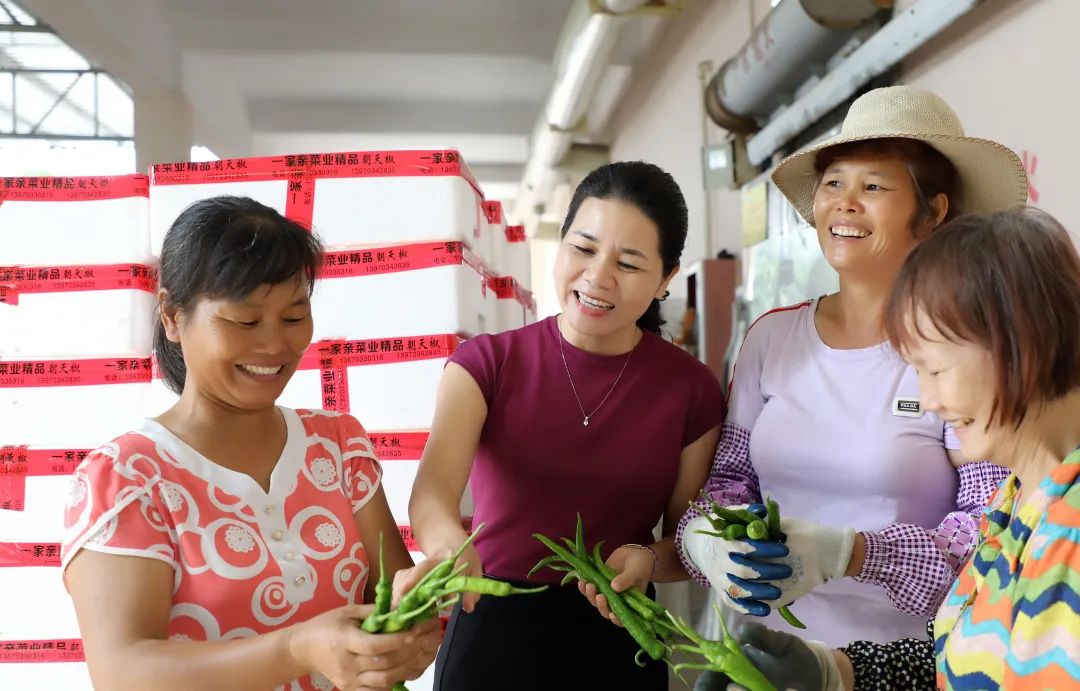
(1009,377)
(881,508)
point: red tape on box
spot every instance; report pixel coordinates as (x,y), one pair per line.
(18,463)
(335,386)
(35,373)
(378,351)
(333,358)
(493,211)
(19,280)
(398,446)
(73,189)
(505,287)
(48,650)
(29,554)
(515,234)
(300,202)
(386,260)
(349,164)
(410,540)
(301,171)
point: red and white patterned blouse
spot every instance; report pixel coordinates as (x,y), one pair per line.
(245,561)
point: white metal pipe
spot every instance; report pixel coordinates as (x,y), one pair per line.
(781,54)
(905,33)
(584,53)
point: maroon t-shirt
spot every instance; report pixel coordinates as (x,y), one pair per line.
(537,465)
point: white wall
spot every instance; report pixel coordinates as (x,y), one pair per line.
(1011,70)
(661,118)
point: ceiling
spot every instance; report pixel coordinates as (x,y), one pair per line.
(273,76)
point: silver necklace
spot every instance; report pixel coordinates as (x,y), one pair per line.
(562,351)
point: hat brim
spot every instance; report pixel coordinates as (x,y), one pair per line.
(992,177)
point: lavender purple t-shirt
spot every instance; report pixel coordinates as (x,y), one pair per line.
(537,465)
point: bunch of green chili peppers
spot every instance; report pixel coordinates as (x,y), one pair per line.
(436,591)
(660,634)
(734,524)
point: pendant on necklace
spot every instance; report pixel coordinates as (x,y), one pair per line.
(585,421)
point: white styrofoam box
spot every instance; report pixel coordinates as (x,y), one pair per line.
(383,197)
(528,304)
(42,518)
(496,230)
(511,314)
(408,290)
(34,604)
(517,261)
(69,676)
(159,399)
(491,308)
(390,382)
(496,226)
(36,613)
(397,482)
(88,314)
(82,220)
(399,395)
(76,404)
(167,201)
(386,396)
(391,210)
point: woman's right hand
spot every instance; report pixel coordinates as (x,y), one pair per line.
(334,645)
(406,579)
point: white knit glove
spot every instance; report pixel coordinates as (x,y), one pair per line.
(816,554)
(746,584)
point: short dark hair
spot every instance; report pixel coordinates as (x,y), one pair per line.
(656,194)
(1008,282)
(224,248)
(931,171)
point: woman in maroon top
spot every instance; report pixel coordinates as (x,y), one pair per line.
(592,412)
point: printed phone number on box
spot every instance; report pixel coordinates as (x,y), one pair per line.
(372,268)
(36,656)
(32,381)
(372,170)
(59,286)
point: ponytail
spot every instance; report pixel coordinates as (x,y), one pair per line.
(651,320)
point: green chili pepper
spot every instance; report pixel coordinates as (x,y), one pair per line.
(756,530)
(773,518)
(734,532)
(383,594)
(791,618)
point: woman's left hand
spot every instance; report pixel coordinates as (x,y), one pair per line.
(633,568)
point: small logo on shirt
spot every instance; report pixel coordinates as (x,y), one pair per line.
(907,407)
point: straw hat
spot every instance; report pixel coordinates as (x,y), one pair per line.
(992,178)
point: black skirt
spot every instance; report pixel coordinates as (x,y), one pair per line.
(545,641)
